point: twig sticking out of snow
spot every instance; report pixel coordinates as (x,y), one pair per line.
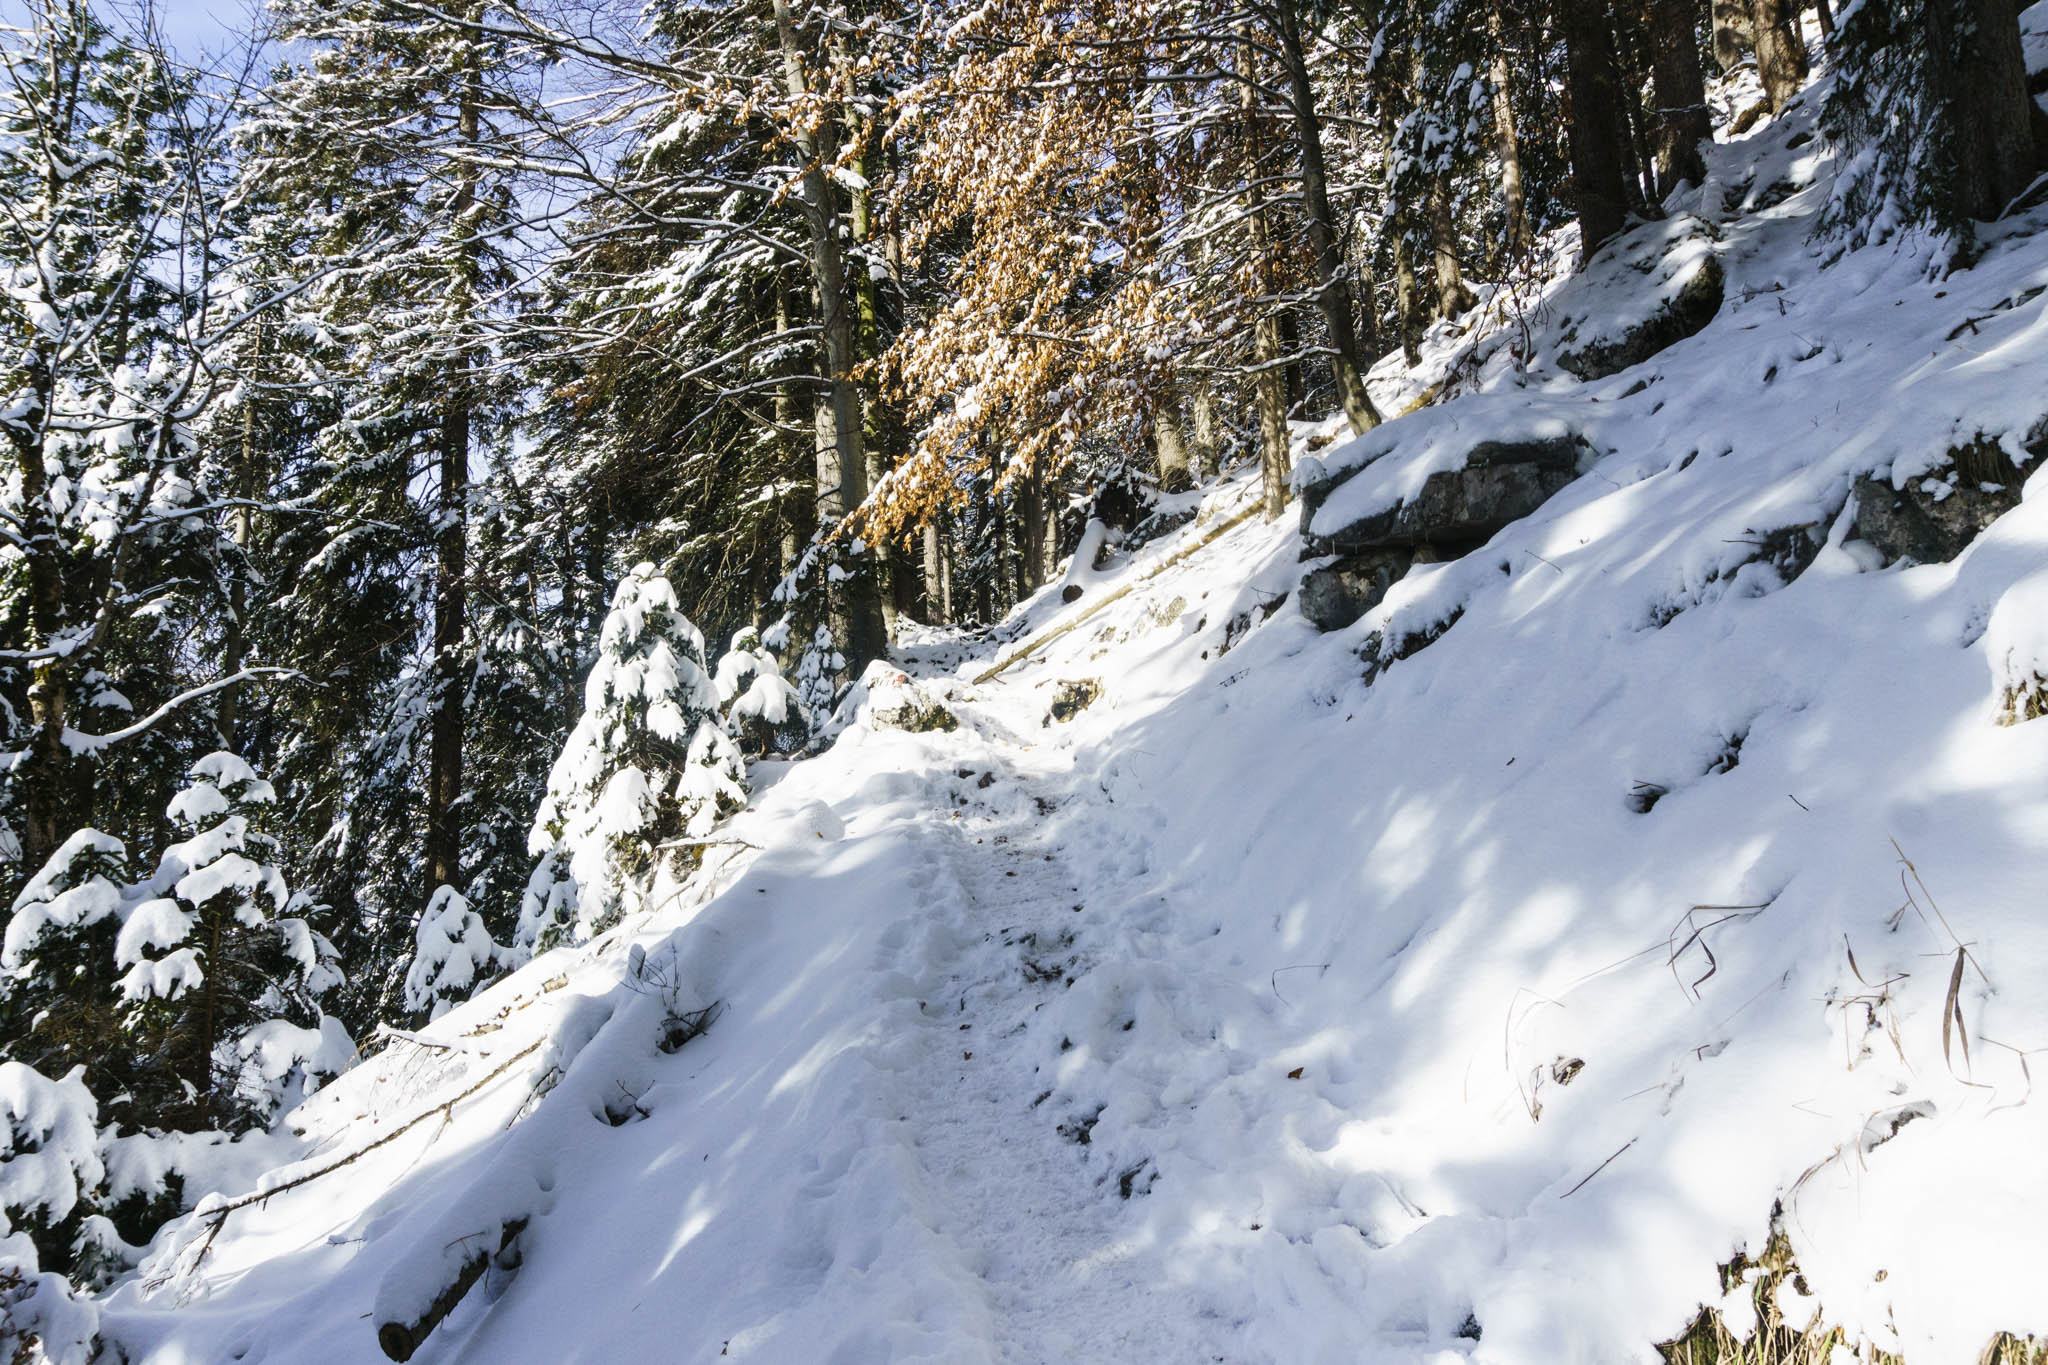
(1597,1169)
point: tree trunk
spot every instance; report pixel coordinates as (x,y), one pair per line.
(1825,13)
(1170,444)
(857,625)
(1598,183)
(444,777)
(1991,113)
(241,528)
(1271,391)
(1452,297)
(1639,158)
(1269,382)
(937,611)
(1780,55)
(797,511)
(1207,446)
(444,757)
(1030,537)
(1333,294)
(1407,311)
(46,781)
(1506,144)
(1732,35)
(1680,90)
(879,427)
(195,1066)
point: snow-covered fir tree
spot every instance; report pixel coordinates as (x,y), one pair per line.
(761,706)
(817,672)
(649,761)
(57,962)
(222,984)
(453,954)
(51,1172)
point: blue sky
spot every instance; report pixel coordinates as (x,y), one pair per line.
(193,26)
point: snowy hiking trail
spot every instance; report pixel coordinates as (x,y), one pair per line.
(1064,1275)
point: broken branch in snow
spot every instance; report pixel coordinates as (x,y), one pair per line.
(217,1216)
(707,843)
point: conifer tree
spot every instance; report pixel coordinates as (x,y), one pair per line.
(57,963)
(113,344)
(210,955)
(51,1172)
(648,762)
(761,707)
(1932,114)
(453,955)
(384,133)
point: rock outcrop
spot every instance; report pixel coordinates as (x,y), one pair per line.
(1500,482)
(1931,520)
(1336,594)
(1670,265)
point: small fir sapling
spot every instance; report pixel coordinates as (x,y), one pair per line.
(222,973)
(650,761)
(762,708)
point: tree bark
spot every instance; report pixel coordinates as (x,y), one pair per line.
(1825,13)
(1333,294)
(444,777)
(1271,390)
(444,758)
(1992,115)
(241,531)
(1732,33)
(1269,381)
(46,783)
(1030,532)
(1506,143)
(1206,448)
(938,607)
(879,428)
(1170,445)
(1780,55)
(856,610)
(1598,179)
(1680,89)
(1452,297)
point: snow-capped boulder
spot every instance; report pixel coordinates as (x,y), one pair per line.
(1498,482)
(1646,291)
(887,698)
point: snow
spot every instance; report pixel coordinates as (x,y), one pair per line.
(1263,1012)
(52,1149)
(163,978)
(452,952)
(52,901)
(231,872)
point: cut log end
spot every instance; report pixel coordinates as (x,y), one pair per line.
(399,1340)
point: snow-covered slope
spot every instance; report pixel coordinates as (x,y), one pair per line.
(1255,1011)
